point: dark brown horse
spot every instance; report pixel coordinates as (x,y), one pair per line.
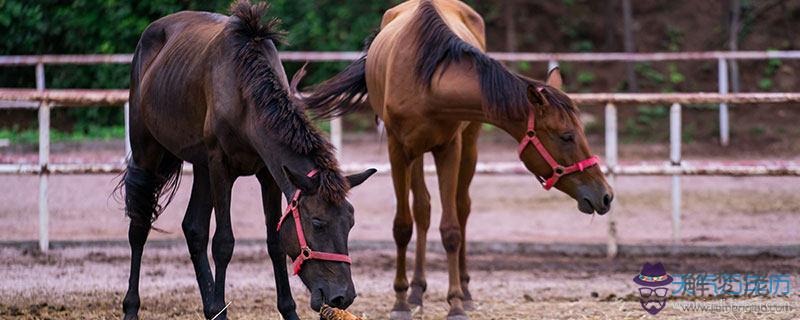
(210,90)
(430,82)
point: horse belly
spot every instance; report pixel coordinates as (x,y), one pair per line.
(173,105)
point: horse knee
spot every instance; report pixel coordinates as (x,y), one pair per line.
(222,248)
(402,232)
(451,238)
(195,238)
(463,207)
(422,213)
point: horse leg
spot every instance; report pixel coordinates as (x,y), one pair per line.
(447,159)
(223,242)
(271,198)
(402,228)
(148,171)
(469,158)
(422,219)
(196,229)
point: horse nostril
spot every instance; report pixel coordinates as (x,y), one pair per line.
(338,302)
(607,200)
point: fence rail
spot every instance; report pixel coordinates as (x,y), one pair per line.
(85,98)
(43,100)
(689,168)
(31,60)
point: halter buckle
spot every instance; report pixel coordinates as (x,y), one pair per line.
(306,252)
(558,171)
(530,133)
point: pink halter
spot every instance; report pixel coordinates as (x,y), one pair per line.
(305,252)
(558,170)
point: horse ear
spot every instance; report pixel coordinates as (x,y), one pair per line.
(535,95)
(356,179)
(298,76)
(304,183)
(554,78)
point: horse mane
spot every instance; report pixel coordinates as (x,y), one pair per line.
(554,97)
(505,94)
(277,110)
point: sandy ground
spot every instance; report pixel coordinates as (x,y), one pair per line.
(716,211)
(88,282)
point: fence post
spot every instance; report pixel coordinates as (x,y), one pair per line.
(675,160)
(611,163)
(44,157)
(724,125)
(551,64)
(127,130)
(336,136)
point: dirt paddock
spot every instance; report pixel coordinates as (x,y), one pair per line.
(88,282)
(733,225)
(86,278)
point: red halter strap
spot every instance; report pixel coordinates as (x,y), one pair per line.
(305,252)
(558,170)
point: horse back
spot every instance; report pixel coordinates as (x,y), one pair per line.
(170,76)
(394,89)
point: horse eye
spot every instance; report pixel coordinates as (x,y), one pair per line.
(318,223)
(567,137)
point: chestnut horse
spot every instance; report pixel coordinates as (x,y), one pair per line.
(429,80)
(210,90)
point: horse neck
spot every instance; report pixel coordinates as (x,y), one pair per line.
(462,101)
(456,95)
(276,155)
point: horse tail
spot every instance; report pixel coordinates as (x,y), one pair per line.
(341,94)
(147,194)
(344,93)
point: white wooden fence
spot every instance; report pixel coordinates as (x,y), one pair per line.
(44,100)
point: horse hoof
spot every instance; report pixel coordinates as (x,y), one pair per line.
(469,305)
(400,315)
(416,309)
(457,317)
(415,300)
(131,317)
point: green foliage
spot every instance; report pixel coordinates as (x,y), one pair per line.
(586,78)
(758,131)
(647,115)
(648,72)
(114,26)
(91,132)
(766,83)
(675,76)
(674,39)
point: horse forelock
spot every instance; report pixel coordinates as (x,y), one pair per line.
(281,114)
